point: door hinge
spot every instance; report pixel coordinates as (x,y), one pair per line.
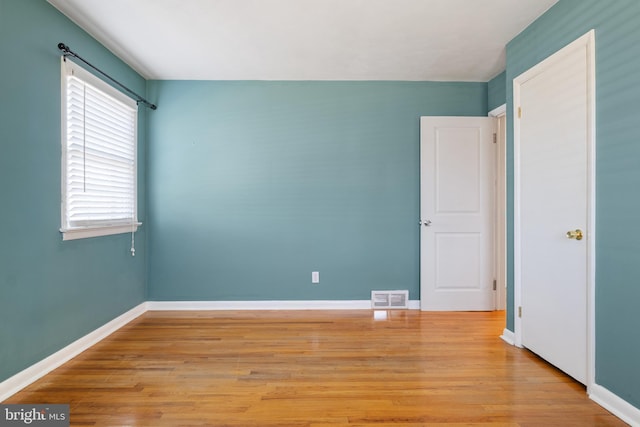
(519,112)
(495,138)
(520,311)
(495,284)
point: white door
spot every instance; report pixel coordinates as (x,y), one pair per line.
(552,136)
(457,163)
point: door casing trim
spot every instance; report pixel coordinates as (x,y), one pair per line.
(500,219)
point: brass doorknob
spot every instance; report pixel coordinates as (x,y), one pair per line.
(577,234)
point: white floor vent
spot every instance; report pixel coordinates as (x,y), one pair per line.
(389,299)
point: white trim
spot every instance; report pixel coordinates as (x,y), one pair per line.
(498,111)
(36,371)
(83,233)
(615,404)
(587,42)
(500,212)
(591,209)
(414,304)
(508,337)
(267,305)
(517,265)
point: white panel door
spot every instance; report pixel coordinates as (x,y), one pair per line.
(457,204)
(552,186)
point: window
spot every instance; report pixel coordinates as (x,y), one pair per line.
(99,139)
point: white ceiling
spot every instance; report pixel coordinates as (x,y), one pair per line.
(441,40)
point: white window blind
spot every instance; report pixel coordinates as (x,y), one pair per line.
(99,188)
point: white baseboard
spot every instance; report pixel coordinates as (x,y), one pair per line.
(508,337)
(616,405)
(267,305)
(23,378)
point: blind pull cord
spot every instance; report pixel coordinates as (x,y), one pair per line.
(133,229)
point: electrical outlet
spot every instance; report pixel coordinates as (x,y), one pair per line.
(315,277)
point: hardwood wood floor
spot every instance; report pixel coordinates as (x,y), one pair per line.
(314,369)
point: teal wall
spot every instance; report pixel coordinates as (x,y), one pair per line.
(254,185)
(617,25)
(497,91)
(51,292)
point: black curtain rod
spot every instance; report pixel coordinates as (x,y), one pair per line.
(68,52)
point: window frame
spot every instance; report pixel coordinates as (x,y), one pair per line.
(99,228)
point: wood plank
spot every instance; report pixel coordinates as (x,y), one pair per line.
(314,369)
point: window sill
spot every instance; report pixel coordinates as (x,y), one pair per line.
(85,233)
